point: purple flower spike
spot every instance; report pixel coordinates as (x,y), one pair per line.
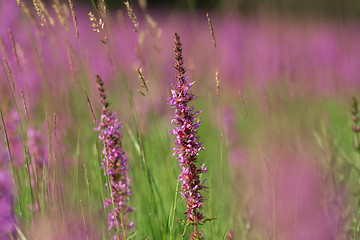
(186,123)
(115,166)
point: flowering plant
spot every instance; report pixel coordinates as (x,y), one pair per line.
(186,123)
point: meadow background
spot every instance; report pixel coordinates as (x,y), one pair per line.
(276,126)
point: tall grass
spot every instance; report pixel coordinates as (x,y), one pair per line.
(291,111)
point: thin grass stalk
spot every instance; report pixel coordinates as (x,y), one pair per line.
(273,194)
(83,218)
(73,14)
(139,137)
(173,212)
(23,135)
(220,108)
(212,227)
(76,165)
(11,161)
(54,46)
(87,182)
(356,225)
(14,48)
(133,108)
(46,83)
(54,181)
(53,197)
(37,189)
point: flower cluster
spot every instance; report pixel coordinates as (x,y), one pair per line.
(115,166)
(186,123)
(97,25)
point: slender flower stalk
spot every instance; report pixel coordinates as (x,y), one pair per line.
(73,14)
(115,165)
(186,123)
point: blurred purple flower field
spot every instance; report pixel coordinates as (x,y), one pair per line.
(273,98)
(254,50)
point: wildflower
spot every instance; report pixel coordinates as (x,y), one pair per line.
(187,142)
(115,166)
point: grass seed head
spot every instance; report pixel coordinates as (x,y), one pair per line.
(73,14)
(217,79)
(132,15)
(211,29)
(143,82)
(39,12)
(14,47)
(9,74)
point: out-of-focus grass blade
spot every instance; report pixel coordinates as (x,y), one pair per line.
(21,235)
(173,213)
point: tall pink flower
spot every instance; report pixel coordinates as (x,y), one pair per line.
(115,165)
(186,123)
